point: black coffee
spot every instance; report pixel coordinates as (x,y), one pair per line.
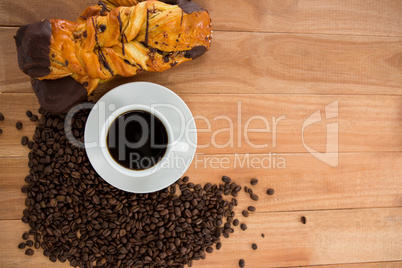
(137,140)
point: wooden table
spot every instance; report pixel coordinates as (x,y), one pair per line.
(281,60)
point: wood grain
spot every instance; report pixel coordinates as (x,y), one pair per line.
(17,13)
(360,181)
(358,17)
(363,265)
(366,123)
(263,63)
(328,237)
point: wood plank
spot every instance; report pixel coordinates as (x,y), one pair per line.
(356,17)
(329,237)
(361,265)
(360,181)
(238,63)
(366,123)
(17,13)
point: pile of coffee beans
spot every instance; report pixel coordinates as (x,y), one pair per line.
(75,216)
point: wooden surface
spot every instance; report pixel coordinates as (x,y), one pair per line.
(272,58)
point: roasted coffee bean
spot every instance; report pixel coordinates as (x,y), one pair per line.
(29,243)
(253,181)
(226,179)
(242,263)
(254,197)
(24,189)
(236,222)
(30,144)
(24,140)
(245,213)
(25,236)
(251,208)
(53,258)
(245,189)
(21,245)
(34,118)
(29,252)
(243,226)
(1,131)
(303,220)
(270,191)
(37,244)
(209,250)
(218,246)
(18,125)
(41,110)
(28,113)
(1,117)
(263,235)
(254,246)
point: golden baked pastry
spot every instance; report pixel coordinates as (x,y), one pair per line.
(115,37)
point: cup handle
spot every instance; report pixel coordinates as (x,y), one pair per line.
(181,147)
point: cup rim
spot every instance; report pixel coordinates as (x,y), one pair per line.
(103,137)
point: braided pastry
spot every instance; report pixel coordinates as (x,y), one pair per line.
(67,60)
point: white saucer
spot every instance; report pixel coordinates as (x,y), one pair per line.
(165,103)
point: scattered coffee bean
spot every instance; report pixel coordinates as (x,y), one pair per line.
(41,110)
(1,117)
(226,179)
(245,213)
(254,246)
(21,245)
(251,208)
(37,245)
(270,191)
(209,250)
(30,144)
(24,140)
(18,125)
(242,263)
(245,189)
(243,226)
(25,236)
(1,131)
(29,252)
(303,220)
(254,197)
(28,113)
(34,118)
(29,243)
(218,246)
(263,235)
(253,181)
(24,190)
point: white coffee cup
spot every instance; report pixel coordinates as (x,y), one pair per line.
(160,102)
(172,146)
